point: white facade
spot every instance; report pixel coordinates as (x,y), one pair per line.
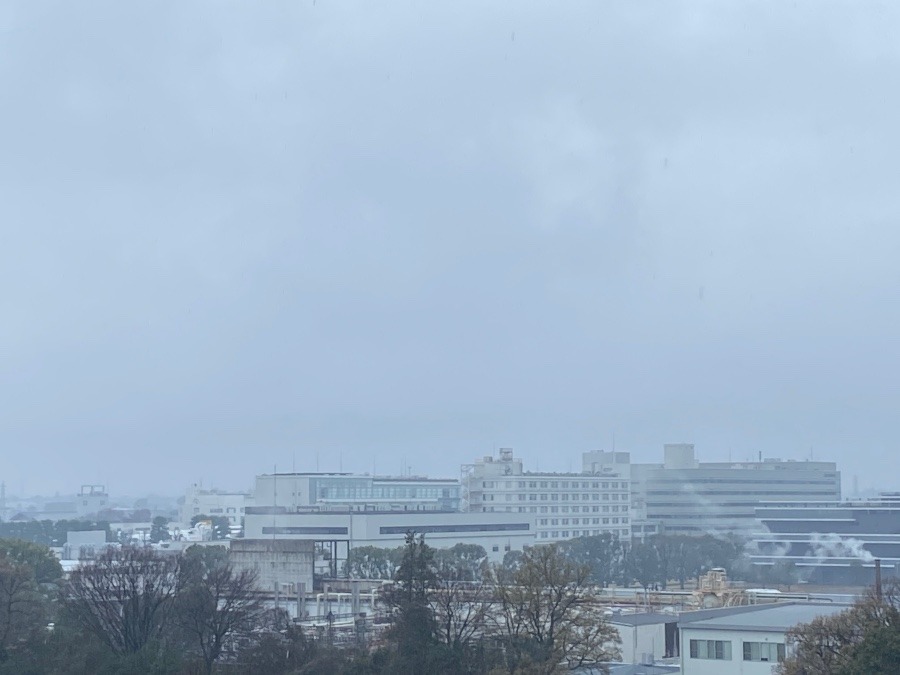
(563,505)
(198,501)
(742,640)
(497,533)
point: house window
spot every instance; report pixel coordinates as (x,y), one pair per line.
(718,650)
(764,651)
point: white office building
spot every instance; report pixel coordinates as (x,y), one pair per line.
(563,505)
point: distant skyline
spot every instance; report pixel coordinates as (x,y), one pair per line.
(412,233)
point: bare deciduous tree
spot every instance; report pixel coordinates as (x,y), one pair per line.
(460,611)
(548,618)
(215,602)
(125,596)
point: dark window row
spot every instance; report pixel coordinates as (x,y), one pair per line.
(427,529)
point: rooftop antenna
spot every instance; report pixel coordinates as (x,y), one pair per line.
(614,441)
(317,461)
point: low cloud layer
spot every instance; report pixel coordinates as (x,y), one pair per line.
(405,234)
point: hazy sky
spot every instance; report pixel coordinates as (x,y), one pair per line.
(236,234)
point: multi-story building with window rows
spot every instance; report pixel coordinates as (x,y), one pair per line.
(564,505)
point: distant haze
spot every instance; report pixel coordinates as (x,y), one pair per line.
(236,235)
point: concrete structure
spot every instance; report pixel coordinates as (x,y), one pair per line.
(831,542)
(646,637)
(747,640)
(198,501)
(684,496)
(496,532)
(564,505)
(354,492)
(282,565)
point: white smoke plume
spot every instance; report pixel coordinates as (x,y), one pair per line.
(824,546)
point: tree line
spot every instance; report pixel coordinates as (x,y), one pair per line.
(138,610)
(656,562)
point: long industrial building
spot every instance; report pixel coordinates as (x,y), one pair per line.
(685,496)
(831,542)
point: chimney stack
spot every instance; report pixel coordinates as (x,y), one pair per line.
(878,578)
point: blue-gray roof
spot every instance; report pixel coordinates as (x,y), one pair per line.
(776,617)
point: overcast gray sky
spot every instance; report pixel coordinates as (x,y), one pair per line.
(236,235)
